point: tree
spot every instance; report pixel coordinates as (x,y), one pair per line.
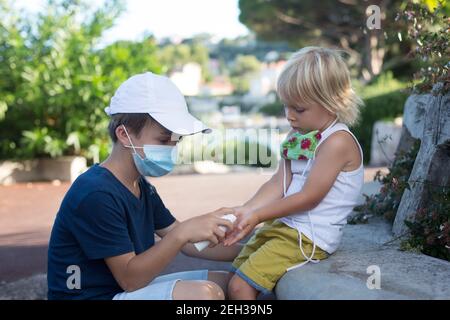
(339,23)
(244,67)
(174,56)
(227,50)
(432,46)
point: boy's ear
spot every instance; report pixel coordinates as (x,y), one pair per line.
(122,137)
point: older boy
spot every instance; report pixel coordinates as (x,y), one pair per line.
(102,244)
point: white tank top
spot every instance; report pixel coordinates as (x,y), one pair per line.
(323,224)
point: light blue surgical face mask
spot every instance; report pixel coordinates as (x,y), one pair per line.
(159,159)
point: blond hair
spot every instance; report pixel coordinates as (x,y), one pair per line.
(320,75)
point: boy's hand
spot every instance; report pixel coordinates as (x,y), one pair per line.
(239,212)
(245,223)
(206,227)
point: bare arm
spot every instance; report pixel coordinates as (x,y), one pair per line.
(216,253)
(319,182)
(133,271)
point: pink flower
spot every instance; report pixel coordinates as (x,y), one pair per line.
(306,143)
(285,151)
(318,136)
(293,139)
(302,157)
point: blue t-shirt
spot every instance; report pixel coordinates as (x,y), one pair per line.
(100,218)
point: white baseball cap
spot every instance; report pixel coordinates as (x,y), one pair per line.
(160,98)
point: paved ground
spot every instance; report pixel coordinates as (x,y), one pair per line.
(27,212)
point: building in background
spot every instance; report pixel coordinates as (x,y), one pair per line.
(188,79)
(219,86)
(265,81)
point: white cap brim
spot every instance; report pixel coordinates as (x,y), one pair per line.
(182,124)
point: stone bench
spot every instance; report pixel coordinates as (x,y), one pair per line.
(344,275)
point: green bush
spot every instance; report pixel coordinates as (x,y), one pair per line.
(55,81)
(428,27)
(384,99)
(253,160)
(273,109)
(430,230)
(386,202)
(384,107)
(218,148)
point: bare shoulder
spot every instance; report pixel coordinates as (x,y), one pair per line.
(343,144)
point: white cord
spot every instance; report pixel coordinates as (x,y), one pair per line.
(284,177)
(310,258)
(129,139)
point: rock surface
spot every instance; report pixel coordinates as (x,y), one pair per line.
(344,275)
(385,139)
(426,117)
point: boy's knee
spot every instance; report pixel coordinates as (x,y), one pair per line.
(208,290)
(197,290)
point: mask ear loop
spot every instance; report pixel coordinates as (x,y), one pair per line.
(284,177)
(306,167)
(310,258)
(129,139)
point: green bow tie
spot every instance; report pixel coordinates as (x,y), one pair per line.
(299,146)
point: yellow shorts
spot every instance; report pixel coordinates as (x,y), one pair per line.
(272,249)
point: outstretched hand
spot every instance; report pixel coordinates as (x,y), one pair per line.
(245,223)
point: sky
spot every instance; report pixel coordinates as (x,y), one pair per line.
(162,18)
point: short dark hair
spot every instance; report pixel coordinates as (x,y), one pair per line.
(134,122)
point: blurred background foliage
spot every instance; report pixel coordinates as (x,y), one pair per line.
(410,51)
(56,78)
(55,82)
(342,24)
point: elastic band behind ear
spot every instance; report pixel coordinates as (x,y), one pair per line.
(129,139)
